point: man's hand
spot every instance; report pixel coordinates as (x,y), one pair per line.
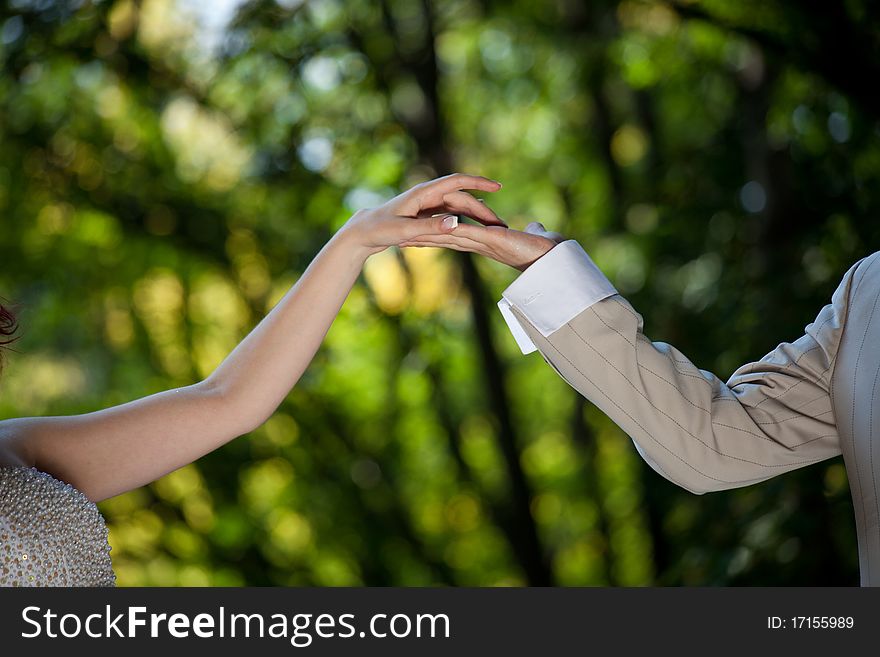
(519,249)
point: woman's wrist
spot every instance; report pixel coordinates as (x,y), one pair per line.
(352,237)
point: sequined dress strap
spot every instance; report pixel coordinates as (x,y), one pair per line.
(51,534)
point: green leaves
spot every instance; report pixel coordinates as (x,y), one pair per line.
(157,198)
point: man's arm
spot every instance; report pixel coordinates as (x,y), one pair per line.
(771,416)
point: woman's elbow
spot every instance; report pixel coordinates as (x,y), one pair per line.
(239,412)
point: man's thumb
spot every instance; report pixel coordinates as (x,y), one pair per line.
(537,228)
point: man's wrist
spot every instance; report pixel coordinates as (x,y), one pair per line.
(551,246)
(554,290)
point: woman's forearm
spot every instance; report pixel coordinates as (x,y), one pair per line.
(261,370)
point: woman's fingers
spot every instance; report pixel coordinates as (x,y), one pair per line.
(464,203)
(457,181)
(430,196)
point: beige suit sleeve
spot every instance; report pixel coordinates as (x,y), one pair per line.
(771,416)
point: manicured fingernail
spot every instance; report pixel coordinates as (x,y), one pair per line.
(450,221)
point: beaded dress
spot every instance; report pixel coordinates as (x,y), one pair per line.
(51,534)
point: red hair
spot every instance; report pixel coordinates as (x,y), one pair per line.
(8,326)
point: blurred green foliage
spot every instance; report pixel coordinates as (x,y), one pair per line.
(165,177)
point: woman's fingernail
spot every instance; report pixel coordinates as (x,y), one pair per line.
(450,221)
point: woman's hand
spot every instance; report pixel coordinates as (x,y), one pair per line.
(428,209)
(510,247)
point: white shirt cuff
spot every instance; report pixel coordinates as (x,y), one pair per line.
(554,290)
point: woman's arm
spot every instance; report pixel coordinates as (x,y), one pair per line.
(120,448)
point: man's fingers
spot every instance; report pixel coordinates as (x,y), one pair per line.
(488,235)
(447,241)
(495,237)
(432,245)
(444,241)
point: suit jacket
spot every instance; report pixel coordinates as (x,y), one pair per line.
(805,401)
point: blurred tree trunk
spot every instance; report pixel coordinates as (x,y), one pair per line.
(585,437)
(430,135)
